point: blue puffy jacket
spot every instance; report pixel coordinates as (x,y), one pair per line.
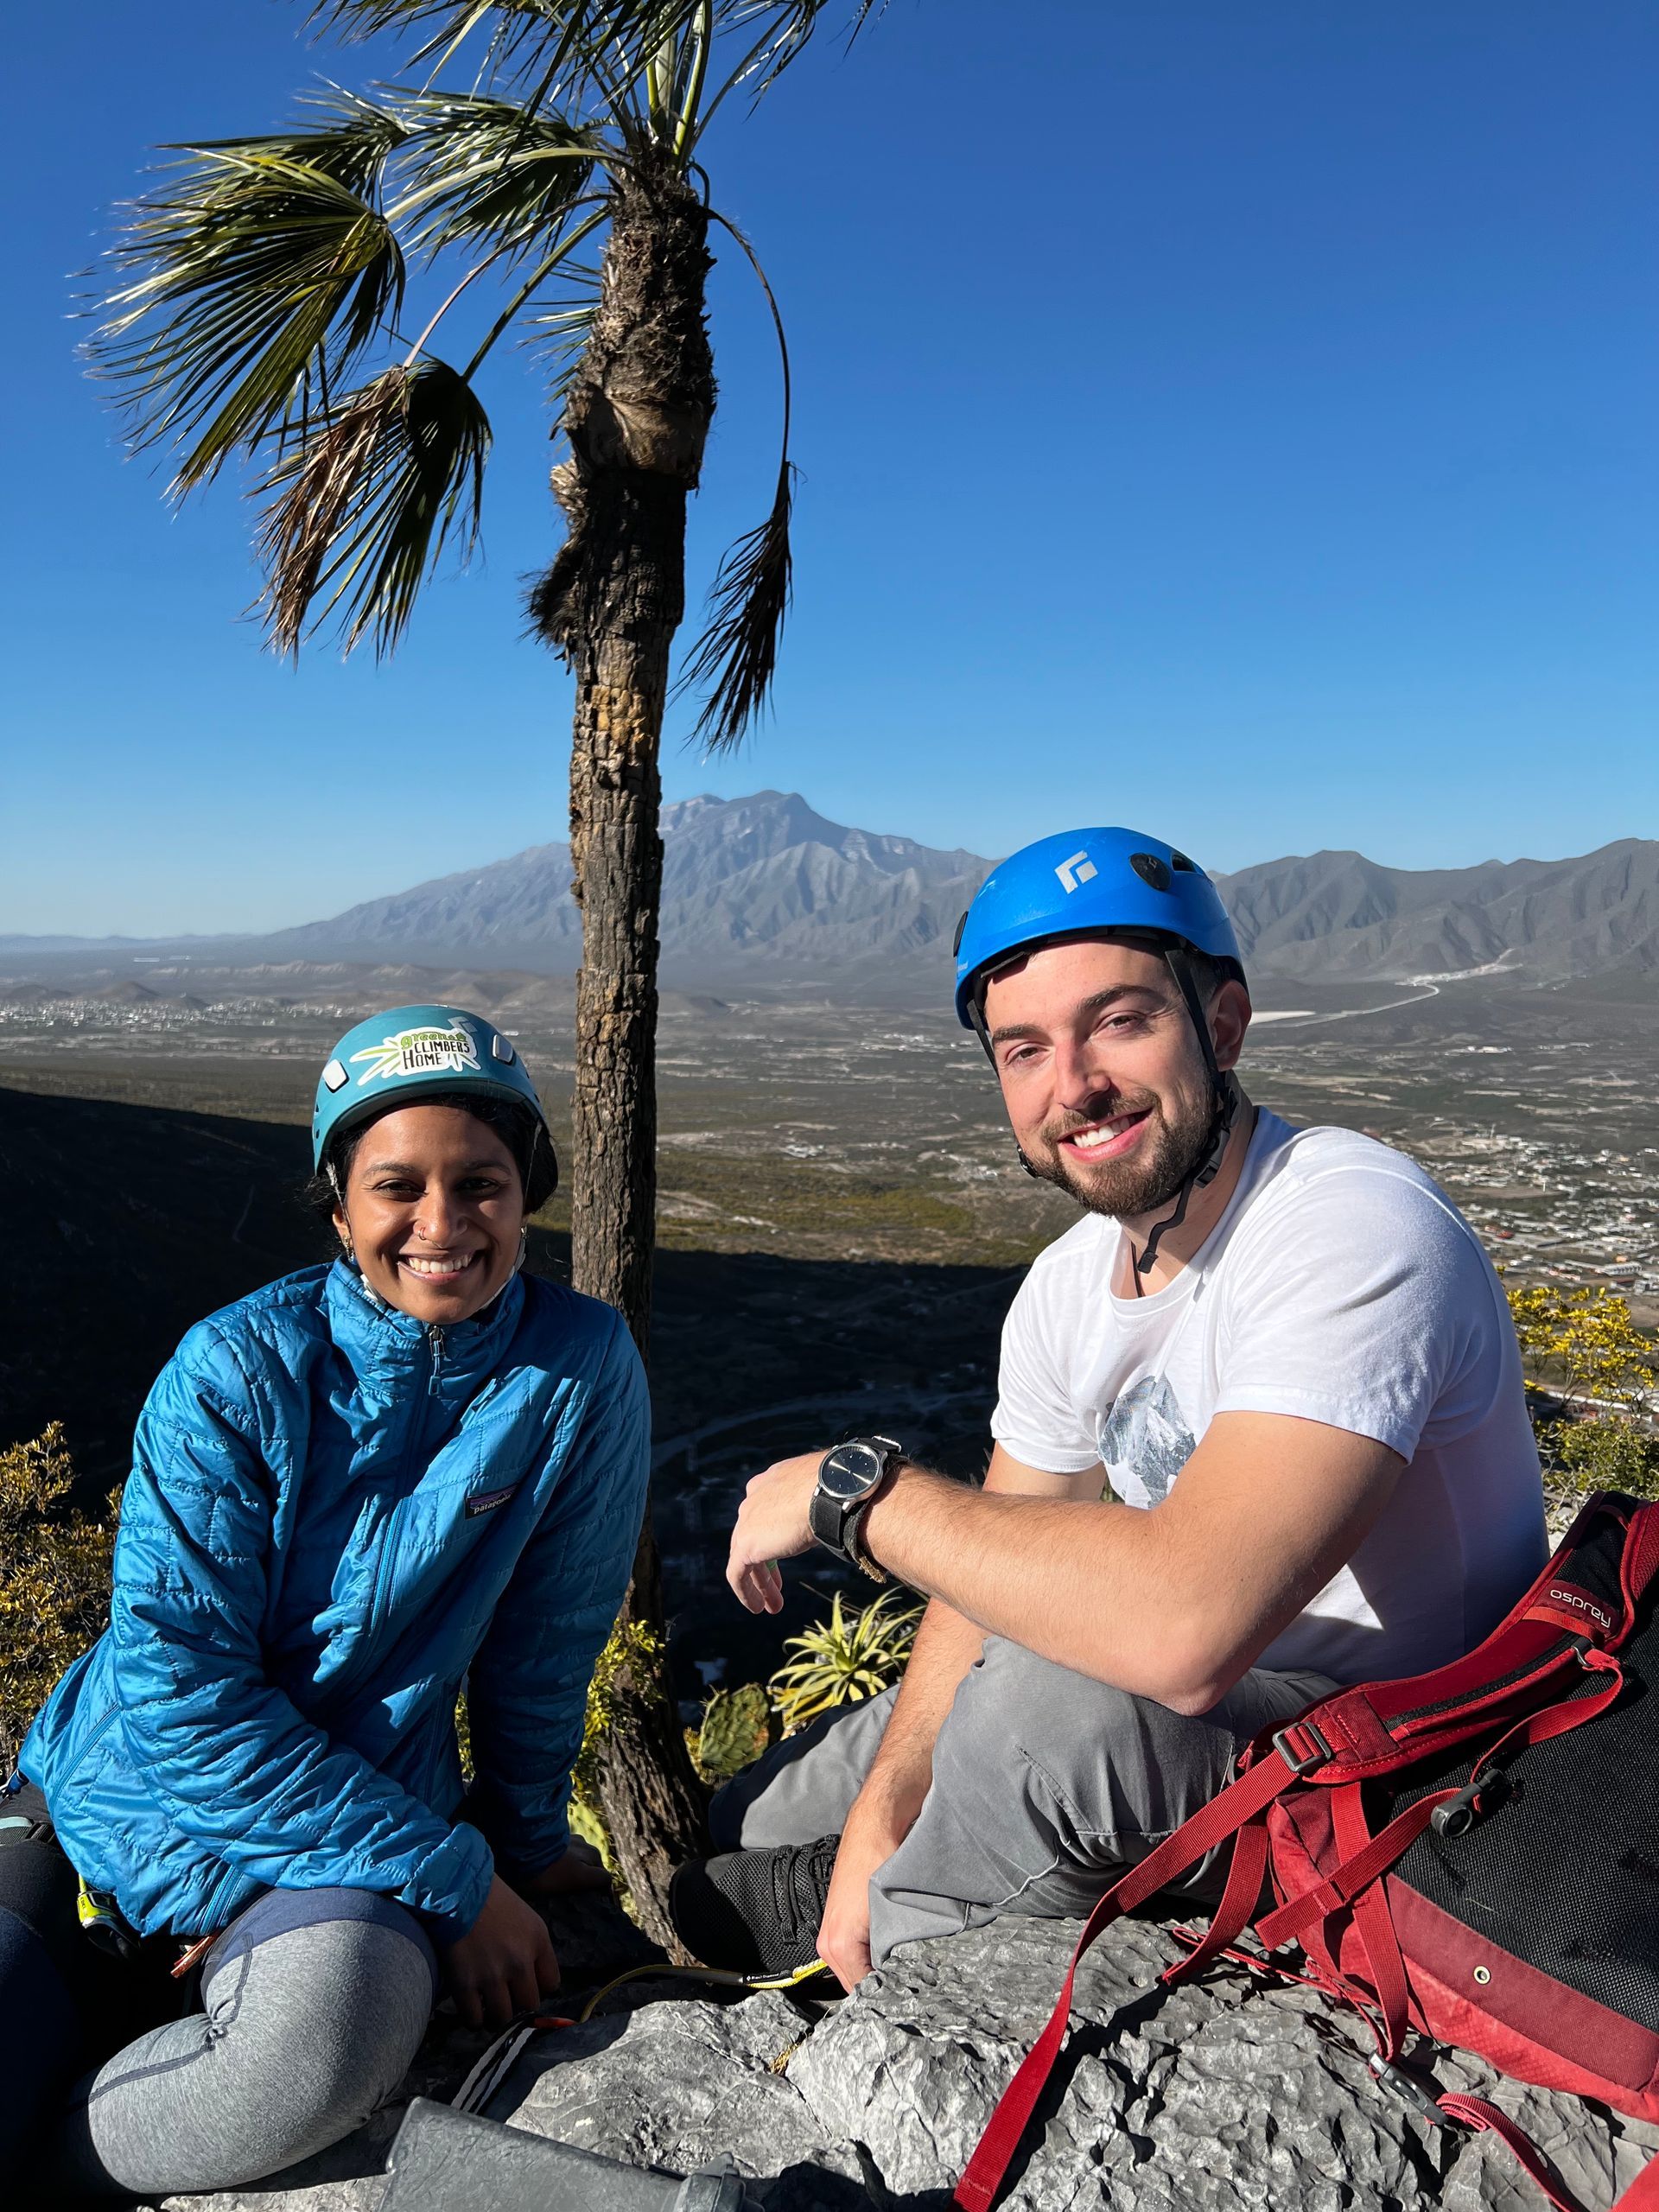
(335,1515)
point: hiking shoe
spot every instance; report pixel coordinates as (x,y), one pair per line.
(754,1912)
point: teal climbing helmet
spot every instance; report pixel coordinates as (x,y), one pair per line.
(412,1052)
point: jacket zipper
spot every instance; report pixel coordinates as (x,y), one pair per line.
(434,1341)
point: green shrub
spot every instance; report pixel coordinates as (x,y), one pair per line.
(55,1578)
(841,1661)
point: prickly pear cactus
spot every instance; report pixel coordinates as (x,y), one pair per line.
(736,1729)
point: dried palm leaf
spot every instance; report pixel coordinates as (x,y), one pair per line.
(737,653)
(367,502)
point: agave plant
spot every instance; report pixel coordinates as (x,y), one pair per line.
(543,174)
(843,1660)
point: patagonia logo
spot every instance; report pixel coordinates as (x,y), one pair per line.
(1580,1604)
(487,1501)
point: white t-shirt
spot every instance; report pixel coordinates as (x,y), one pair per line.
(1342,1286)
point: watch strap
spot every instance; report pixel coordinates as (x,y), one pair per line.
(827,1519)
(857,1550)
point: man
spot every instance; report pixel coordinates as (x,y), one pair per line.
(1261,1430)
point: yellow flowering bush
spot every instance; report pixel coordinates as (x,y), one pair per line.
(1581,1347)
(55,1578)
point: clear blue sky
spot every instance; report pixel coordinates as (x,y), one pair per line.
(1236,417)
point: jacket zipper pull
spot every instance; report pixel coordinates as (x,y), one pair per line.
(435,1338)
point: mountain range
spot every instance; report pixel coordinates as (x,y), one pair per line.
(763,888)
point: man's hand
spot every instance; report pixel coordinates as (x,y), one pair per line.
(504,1964)
(772,1524)
(844,1932)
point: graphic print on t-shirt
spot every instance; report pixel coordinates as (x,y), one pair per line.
(1145,1441)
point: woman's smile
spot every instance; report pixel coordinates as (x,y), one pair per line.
(440,1267)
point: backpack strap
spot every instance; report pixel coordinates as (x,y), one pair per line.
(1641,2196)
(1296,1751)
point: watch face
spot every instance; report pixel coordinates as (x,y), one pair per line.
(849,1471)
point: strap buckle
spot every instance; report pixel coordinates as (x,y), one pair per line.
(1301,1763)
(1408,2091)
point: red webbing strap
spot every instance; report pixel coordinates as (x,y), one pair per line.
(1375,1923)
(1211,1824)
(1556,1719)
(1344,1883)
(1641,2196)
(1238,1901)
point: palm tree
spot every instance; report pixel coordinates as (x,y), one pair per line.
(259,312)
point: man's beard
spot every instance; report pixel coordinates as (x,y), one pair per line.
(1137,1187)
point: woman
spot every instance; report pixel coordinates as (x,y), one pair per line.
(352,1492)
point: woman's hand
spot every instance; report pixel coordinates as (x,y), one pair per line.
(505,1962)
(580,1869)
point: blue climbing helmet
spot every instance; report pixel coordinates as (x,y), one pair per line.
(1083,880)
(412,1052)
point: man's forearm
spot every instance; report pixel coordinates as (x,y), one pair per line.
(1049,1574)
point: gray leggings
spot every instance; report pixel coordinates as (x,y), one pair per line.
(314,2002)
(1047,1784)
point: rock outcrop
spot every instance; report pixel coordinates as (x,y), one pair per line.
(1232,2093)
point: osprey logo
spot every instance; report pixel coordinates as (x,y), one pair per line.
(1079,869)
(1579,1604)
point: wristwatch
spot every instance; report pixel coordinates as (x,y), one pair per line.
(848,1478)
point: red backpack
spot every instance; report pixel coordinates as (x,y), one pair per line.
(1458,1853)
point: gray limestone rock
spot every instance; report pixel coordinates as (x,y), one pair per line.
(1229,2094)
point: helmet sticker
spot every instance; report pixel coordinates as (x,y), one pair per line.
(334,1076)
(1079,868)
(420,1052)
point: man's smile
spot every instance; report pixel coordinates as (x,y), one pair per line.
(1107,1138)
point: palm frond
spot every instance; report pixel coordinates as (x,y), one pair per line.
(369,499)
(350,142)
(556,40)
(475,167)
(561,333)
(737,653)
(249,274)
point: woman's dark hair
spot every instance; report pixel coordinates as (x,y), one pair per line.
(517,1127)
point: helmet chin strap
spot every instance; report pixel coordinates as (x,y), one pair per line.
(1223,1113)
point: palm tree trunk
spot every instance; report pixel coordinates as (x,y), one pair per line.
(637,419)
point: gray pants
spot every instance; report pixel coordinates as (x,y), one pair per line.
(314,2002)
(1046,1785)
